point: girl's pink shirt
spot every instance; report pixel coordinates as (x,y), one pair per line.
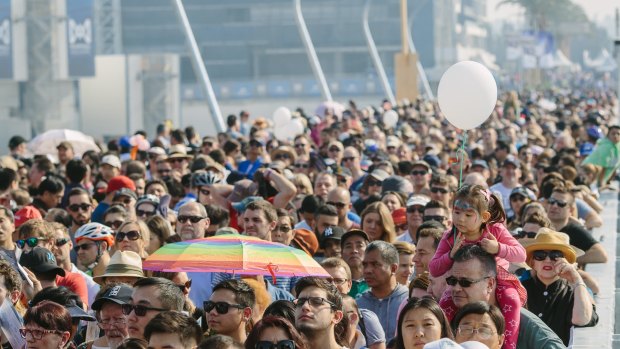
(510,250)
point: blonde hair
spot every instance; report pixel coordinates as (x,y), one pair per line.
(387,223)
(145,234)
(301,180)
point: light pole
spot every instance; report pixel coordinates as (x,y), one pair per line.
(405,62)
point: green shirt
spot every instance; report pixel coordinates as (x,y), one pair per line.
(358,287)
(606,155)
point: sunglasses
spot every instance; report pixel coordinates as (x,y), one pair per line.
(436,190)
(184,287)
(348,158)
(140,310)
(77,248)
(130,235)
(463,282)
(561,204)
(302,166)
(283,228)
(193,219)
(220,307)
(282,156)
(418,173)
(283,344)
(255,144)
(334,149)
(31,242)
(161,172)
(114,224)
(142,213)
(373,182)
(522,234)
(542,255)
(125,201)
(418,209)
(177,160)
(61,242)
(77,207)
(207,144)
(313,301)
(439,219)
(336,281)
(517,198)
(339,205)
(300,145)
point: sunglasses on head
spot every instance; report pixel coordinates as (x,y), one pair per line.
(77,207)
(542,255)
(560,204)
(140,310)
(522,234)
(339,205)
(436,190)
(130,235)
(283,344)
(463,282)
(31,242)
(193,219)
(220,307)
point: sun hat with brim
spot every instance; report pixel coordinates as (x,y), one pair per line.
(379,174)
(178,151)
(284,149)
(119,294)
(123,264)
(547,239)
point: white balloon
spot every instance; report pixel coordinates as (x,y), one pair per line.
(282,133)
(467,94)
(390,118)
(296,127)
(281,116)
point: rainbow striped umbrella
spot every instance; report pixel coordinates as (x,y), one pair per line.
(235,254)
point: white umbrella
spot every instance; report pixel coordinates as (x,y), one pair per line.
(335,108)
(46,143)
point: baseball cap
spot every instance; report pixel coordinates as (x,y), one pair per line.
(15,141)
(399,216)
(511,159)
(41,260)
(25,214)
(118,182)
(125,192)
(65,144)
(119,294)
(379,174)
(418,200)
(111,160)
(421,163)
(305,240)
(480,163)
(523,191)
(332,233)
(353,232)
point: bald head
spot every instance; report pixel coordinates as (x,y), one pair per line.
(351,152)
(339,195)
(475,178)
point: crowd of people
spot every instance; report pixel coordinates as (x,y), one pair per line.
(433,237)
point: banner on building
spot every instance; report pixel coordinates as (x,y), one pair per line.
(80,38)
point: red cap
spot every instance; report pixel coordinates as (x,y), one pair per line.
(25,214)
(306,240)
(120,182)
(399,216)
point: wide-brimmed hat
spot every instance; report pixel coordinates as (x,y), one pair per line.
(286,150)
(178,151)
(547,239)
(123,263)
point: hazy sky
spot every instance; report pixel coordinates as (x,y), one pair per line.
(594,8)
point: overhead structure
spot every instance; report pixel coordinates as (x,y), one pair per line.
(374,54)
(405,62)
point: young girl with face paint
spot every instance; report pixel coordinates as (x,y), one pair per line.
(478,218)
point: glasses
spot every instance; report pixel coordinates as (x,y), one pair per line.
(439,219)
(418,173)
(184,287)
(125,201)
(334,149)
(518,198)
(463,282)
(348,158)
(107,324)
(522,234)
(416,208)
(436,190)
(142,213)
(193,219)
(78,207)
(282,156)
(339,205)
(553,255)
(162,172)
(482,332)
(114,224)
(313,301)
(300,145)
(130,235)
(37,334)
(77,248)
(336,281)
(373,182)
(561,204)
(61,242)
(220,307)
(177,160)
(140,310)
(283,228)
(31,242)
(207,144)
(283,344)
(302,166)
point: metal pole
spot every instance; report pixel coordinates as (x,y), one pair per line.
(617,47)
(427,86)
(312,57)
(199,67)
(403,26)
(374,54)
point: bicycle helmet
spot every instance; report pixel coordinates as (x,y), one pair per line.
(95,232)
(200,179)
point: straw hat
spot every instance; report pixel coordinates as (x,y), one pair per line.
(123,263)
(547,239)
(178,151)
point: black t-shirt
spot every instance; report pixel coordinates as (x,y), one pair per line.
(579,236)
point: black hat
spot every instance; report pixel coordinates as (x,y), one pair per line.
(119,294)
(333,233)
(15,141)
(41,260)
(354,232)
(310,204)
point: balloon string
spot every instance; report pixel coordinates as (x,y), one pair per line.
(462,155)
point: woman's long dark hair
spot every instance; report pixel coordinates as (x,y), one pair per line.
(432,306)
(277,322)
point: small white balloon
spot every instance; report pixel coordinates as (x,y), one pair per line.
(296,127)
(282,133)
(281,116)
(467,94)
(390,118)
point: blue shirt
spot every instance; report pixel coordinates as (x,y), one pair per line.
(248,168)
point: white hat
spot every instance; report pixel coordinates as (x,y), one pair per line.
(111,160)
(418,200)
